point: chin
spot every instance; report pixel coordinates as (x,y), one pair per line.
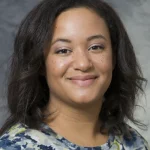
(85,101)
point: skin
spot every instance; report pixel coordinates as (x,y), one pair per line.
(80,46)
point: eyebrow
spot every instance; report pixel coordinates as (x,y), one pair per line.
(61,40)
(99,36)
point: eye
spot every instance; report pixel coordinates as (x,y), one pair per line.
(96,47)
(63,51)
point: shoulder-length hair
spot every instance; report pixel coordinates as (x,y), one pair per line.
(28,92)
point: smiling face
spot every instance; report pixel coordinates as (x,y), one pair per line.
(79,62)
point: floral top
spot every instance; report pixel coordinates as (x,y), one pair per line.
(20,137)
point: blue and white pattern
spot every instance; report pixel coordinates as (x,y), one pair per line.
(20,137)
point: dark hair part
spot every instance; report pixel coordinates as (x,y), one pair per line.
(28,92)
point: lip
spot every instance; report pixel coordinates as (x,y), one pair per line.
(87,77)
(83,80)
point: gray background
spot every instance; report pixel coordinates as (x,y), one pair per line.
(136,17)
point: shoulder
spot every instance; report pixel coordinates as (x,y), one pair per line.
(135,141)
(20,137)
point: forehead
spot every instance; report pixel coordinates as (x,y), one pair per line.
(83,21)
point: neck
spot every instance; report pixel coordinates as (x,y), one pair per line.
(73,123)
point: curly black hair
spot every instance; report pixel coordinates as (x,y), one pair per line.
(28,92)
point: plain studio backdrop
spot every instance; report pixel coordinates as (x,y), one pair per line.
(135,15)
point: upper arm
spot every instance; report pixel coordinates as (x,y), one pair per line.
(147,147)
(17,142)
(137,140)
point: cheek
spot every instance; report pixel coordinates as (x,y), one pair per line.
(55,66)
(104,63)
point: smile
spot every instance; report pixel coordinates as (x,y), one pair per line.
(83,81)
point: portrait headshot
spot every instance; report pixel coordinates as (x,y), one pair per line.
(74,75)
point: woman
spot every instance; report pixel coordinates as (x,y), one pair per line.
(74,80)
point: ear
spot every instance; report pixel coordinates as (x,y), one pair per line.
(42,72)
(114,61)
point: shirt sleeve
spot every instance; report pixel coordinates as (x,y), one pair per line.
(10,144)
(147,147)
(15,139)
(138,140)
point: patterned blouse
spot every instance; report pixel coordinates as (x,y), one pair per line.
(20,137)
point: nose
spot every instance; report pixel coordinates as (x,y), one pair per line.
(82,60)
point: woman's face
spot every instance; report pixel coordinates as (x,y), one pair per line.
(79,62)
